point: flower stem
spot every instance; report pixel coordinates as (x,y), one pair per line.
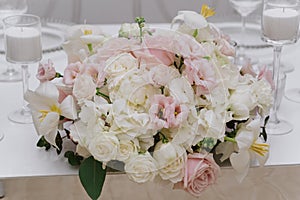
(141,22)
(229,139)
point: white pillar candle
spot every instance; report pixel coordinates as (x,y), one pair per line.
(280,23)
(23,45)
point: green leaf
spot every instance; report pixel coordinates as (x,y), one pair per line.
(195,33)
(43,143)
(59,142)
(73,159)
(92,177)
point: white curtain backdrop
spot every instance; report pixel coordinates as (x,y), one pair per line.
(120,11)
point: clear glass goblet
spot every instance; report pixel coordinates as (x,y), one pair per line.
(8,8)
(280,24)
(22,36)
(244,8)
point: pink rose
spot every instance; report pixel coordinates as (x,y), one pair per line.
(161,47)
(115,47)
(201,171)
(46,72)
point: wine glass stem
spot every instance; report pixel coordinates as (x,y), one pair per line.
(243,34)
(276,70)
(243,18)
(25,86)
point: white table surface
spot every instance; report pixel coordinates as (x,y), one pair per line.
(19,156)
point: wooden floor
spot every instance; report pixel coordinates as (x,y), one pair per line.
(278,183)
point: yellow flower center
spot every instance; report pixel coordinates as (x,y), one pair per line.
(53,108)
(260,149)
(88,32)
(206,11)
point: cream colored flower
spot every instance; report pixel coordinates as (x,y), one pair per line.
(170,160)
(141,168)
(245,148)
(192,19)
(104,147)
(127,149)
(46,111)
(84,88)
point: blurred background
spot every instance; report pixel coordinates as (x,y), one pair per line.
(120,11)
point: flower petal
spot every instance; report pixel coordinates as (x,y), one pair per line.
(240,163)
(195,20)
(68,108)
(48,89)
(48,127)
(36,101)
(244,139)
(190,18)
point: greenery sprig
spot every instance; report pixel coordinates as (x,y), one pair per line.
(141,23)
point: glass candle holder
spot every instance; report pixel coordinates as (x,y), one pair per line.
(280,25)
(22,36)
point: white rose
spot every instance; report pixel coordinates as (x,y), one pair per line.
(141,168)
(134,87)
(263,92)
(182,91)
(84,88)
(170,160)
(146,141)
(128,121)
(218,99)
(119,65)
(104,147)
(211,124)
(161,75)
(185,135)
(127,149)
(242,102)
(230,76)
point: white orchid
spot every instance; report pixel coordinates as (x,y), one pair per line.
(47,110)
(81,40)
(192,19)
(245,148)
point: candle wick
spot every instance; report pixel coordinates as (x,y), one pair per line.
(84,21)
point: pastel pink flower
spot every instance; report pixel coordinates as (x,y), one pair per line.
(200,72)
(225,47)
(166,112)
(71,73)
(115,47)
(266,74)
(96,71)
(200,172)
(247,68)
(189,48)
(161,47)
(46,72)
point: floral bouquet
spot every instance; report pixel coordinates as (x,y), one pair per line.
(156,104)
